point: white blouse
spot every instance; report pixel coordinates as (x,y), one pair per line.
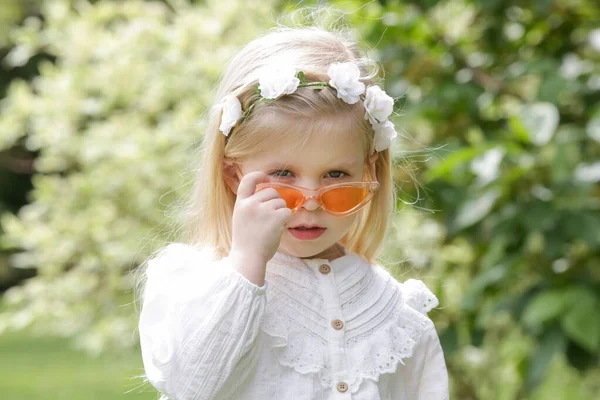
(317,329)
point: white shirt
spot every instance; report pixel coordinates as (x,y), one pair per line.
(317,329)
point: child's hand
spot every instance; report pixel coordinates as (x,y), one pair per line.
(258,221)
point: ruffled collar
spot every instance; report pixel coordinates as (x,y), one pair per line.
(298,336)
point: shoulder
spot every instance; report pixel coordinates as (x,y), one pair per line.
(180,270)
(413,292)
(176,256)
(178,250)
(418,296)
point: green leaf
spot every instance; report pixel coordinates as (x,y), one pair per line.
(551,87)
(582,322)
(518,129)
(444,169)
(552,342)
(485,279)
(300,76)
(544,307)
(476,209)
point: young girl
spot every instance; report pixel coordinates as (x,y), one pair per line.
(275,293)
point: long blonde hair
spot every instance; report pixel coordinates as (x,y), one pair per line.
(207,214)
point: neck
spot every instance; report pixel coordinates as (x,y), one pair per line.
(335,251)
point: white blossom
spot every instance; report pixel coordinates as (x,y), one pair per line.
(594,39)
(276,80)
(232,112)
(487,166)
(384,133)
(344,77)
(540,120)
(378,105)
(588,172)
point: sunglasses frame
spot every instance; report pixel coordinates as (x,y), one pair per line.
(316,194)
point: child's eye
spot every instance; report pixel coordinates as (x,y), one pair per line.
(340,174)
(276,173)
(336,174)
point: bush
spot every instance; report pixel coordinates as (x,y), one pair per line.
(114,120)
(501,106)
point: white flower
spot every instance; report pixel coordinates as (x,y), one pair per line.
(378,105)
(232,112)
(277,80)
(344,78)
(540,120)
(384,133)
(594,39)
(487,166)
(588,172)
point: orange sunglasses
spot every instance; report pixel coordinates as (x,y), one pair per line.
(339,199)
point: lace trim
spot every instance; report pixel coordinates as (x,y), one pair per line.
(369,356)
(391,345)
(293,349)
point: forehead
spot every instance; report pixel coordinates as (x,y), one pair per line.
(317,144)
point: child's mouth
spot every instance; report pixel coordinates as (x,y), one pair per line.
(306,233)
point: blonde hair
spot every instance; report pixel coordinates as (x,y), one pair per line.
(207,215)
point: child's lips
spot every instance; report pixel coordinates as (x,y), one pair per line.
(307,234)
(307,227)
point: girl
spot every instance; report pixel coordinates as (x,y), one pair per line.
(275,293)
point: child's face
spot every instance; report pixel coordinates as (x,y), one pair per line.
(325,159)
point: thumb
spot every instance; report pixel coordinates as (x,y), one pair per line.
(248,183)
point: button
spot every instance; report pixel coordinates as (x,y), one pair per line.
(324,269)
(342,387)
(337,324)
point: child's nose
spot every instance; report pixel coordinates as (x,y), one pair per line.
(311,204)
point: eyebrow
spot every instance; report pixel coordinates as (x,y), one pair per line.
(343,164)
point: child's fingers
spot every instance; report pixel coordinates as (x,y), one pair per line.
(285,214)
(248,183)
(266,195)
(275,203)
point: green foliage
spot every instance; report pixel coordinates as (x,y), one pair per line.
(114,119)
(499,103)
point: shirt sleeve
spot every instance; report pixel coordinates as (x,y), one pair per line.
(428,374)
(428,366)
(198,324)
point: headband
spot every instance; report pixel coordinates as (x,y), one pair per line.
(281,79)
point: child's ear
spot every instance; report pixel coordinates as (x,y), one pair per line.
(230,175)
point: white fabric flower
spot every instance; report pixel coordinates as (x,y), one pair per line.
(232,112)
(344,78)
(384,133)
(378,105)
(277,80)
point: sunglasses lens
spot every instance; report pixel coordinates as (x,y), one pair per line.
(337,200)
(291,196)
(343,199)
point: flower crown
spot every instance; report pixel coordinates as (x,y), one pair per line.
(281,79)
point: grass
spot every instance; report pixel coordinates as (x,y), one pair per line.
(33,368)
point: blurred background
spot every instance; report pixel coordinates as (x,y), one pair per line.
(102,103)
